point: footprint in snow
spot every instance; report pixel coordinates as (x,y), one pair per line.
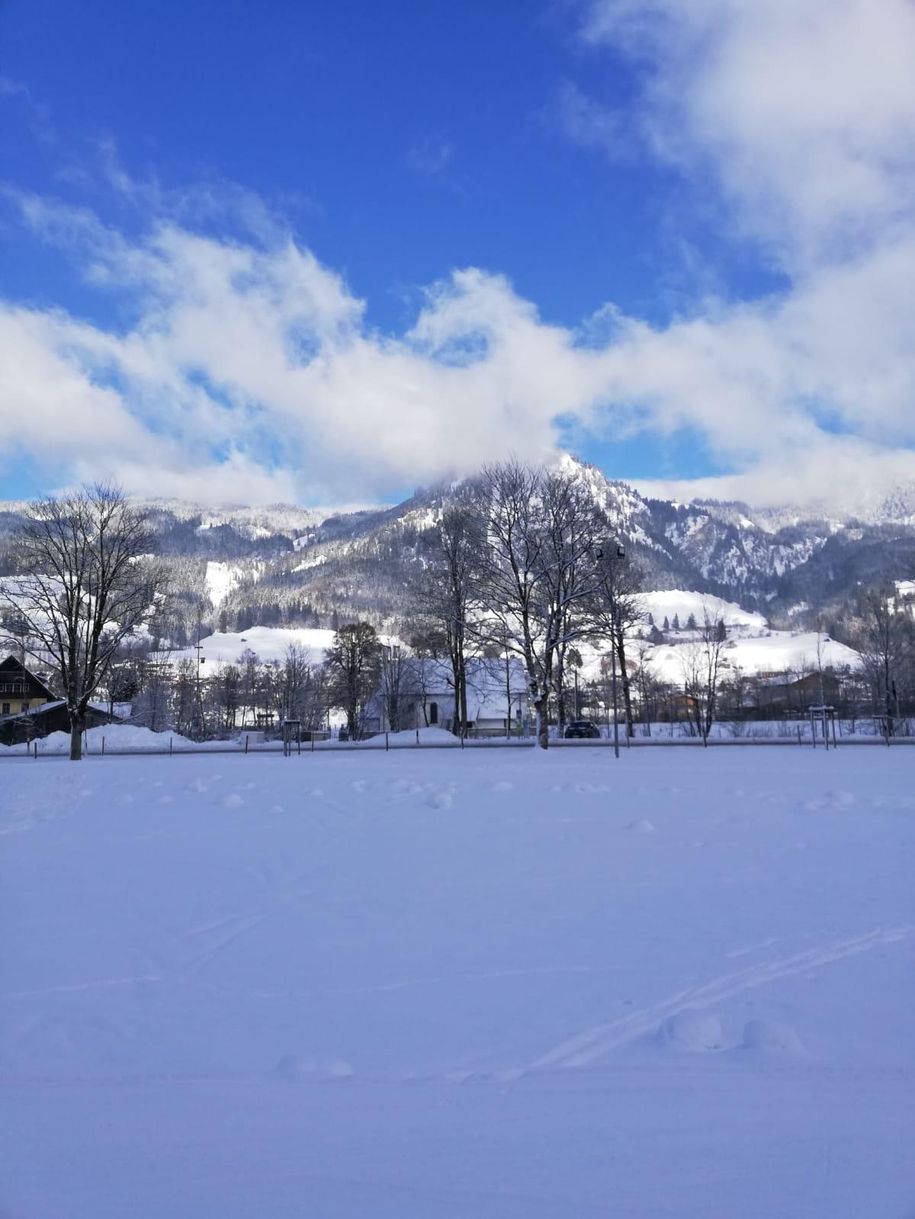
(233,800)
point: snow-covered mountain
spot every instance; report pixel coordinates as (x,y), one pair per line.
(283,565)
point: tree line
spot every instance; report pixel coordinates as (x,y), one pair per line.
(522,563)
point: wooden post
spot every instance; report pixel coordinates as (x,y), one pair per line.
(387,743)
(171,741)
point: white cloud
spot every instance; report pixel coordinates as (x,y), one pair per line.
(584,121)
(250,372)
(802,109)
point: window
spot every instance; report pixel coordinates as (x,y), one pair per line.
(6,709)
(433,713)
(24,707)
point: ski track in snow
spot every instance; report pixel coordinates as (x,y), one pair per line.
(595,1043)
(233,928)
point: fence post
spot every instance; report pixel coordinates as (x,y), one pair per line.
(103,746)
(417,736)
(387,744)
(171,740)
(246,742)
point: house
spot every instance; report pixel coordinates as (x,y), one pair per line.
(29,708)
(20,690)
(497,697)
(46,718)
(779,692)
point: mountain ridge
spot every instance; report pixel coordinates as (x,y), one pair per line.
(293,564)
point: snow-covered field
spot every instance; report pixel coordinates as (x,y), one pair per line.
(269,643)
(447,985)
(791,652)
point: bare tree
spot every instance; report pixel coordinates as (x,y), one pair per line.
(397,683)
(616,610)
(294,683)
(353,663)
(702,670)
(538,571)
(885,643)
(83,581)
(445,586)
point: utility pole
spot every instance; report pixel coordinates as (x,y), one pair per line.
(198,648)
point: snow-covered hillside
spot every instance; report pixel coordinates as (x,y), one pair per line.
(267,642)
(776,652)
(220,579)
(681,604)
(459,984)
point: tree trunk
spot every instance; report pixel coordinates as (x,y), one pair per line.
(77,724)
(624,678)
(541,706)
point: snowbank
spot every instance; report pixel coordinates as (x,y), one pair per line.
(116,737)
(411,736)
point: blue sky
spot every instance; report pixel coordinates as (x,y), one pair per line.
(328,251)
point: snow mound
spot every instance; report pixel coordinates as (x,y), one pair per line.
(294,1067)
(642,826)
(116,737)
(769,1036)
(426,736)
(693,1031)
(441,799)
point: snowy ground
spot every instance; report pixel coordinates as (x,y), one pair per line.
(438,985)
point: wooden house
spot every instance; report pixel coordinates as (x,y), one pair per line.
(20,690)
